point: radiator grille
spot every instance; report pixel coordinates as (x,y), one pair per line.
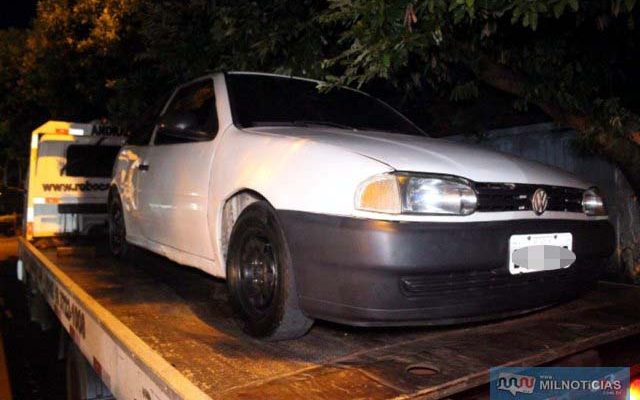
(517,197)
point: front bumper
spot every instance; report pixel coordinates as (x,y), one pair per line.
(368,272)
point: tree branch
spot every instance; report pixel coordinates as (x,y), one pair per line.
(622,150)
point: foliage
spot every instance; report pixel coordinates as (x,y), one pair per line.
(181,40)
(74,52)
(12,108)
(560,45)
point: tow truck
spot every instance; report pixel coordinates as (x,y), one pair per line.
(149,329)
(70,167)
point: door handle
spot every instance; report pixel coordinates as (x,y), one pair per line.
(143,167)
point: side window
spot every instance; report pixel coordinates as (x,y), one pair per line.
(191,116)
(141,130)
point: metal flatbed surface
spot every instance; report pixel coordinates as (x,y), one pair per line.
(183,315)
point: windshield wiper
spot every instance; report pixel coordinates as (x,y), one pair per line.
(301,123)
(322,123)
(366,128)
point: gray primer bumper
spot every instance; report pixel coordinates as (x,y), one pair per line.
(367,272)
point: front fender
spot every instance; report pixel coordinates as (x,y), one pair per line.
(295,174)
(291,173)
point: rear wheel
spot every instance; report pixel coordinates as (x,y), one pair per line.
(260,277)
(117,230)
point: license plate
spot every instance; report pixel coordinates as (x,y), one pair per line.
(539,239)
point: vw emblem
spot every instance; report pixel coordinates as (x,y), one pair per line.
(539,201)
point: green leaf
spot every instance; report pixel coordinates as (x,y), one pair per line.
(534,21)
(458,14)
(558,9)
(573,4)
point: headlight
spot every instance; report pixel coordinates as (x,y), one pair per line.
(592,203)
(416,194)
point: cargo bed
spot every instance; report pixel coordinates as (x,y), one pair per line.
(155,330)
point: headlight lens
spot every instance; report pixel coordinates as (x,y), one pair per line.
(416,194)
(592,203)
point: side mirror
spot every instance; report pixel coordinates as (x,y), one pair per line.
(180,121)
(183,124)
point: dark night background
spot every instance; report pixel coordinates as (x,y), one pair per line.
(17,14)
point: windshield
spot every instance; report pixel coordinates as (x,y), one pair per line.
(90,160)
(262,100)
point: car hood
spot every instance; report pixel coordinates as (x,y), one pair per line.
(423,154)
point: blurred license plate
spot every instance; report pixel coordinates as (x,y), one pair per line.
(539,239)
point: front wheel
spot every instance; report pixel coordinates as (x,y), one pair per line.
(260,277)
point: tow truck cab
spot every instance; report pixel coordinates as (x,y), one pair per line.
(70,168)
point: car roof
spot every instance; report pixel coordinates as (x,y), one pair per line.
(273,75)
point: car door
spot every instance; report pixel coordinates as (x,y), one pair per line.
(128,163)
(175,172)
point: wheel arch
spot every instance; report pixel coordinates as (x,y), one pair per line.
(231,210)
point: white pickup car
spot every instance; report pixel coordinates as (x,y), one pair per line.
(332,205)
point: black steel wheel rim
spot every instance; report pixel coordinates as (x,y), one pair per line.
(258,274)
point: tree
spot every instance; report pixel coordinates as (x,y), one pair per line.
(571,59)
(12,108)
(75,52)
(180,40)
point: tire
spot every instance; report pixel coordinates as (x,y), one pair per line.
(260,277)
(117,230)
(82,381)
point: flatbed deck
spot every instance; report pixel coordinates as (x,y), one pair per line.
(183,316)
